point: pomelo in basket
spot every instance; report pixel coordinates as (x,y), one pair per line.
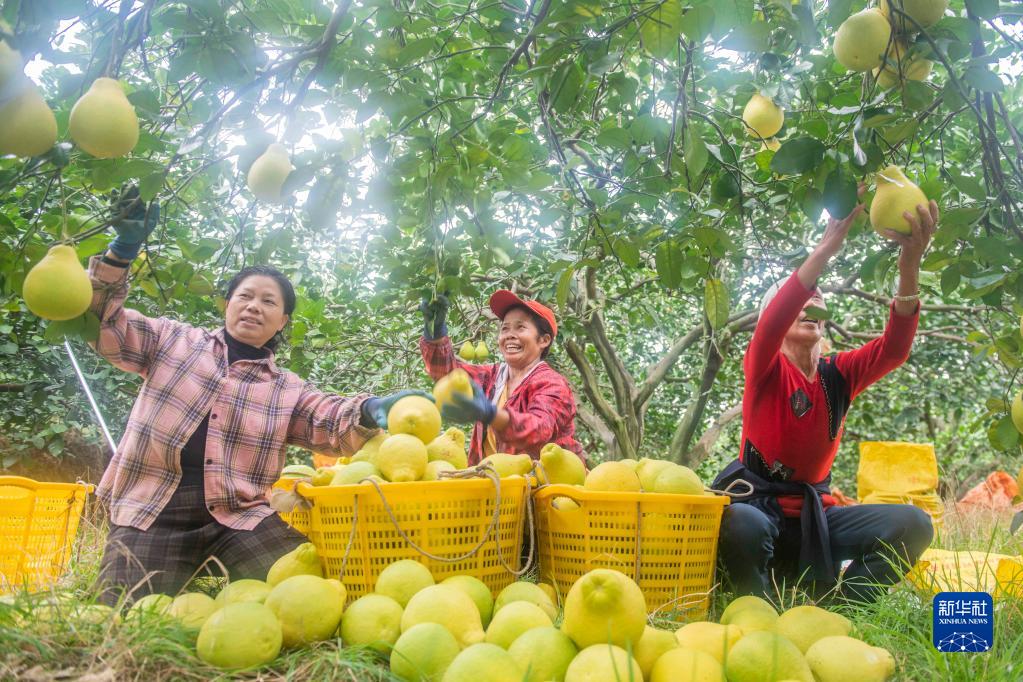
(401,458)
(416,416)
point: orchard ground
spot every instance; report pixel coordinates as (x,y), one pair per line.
(34,647)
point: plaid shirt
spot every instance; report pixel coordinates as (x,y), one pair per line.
(255,409)
(541,410)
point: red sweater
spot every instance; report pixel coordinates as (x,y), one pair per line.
(541,410)
(771,402)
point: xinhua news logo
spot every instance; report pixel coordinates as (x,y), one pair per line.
(963,622)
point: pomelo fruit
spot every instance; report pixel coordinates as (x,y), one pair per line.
(57,287)
(434,469)
(561,466)
(448,447)
(416,416)
(763,118)
(456,382)
(924,12)
(481,351)
(523,590)
(447,606)
(303,560)
(402,579)
(103,121)
(545,653)
(648,470)
(308,607)
(467,352)
(862,39)
(711,638)
(513,620)
(354,473)
(751,620)
(372,620)
(192,609)
(509,465)
(150,605)
(612,476)
(766,656)
(402,458)
(742,603)
(483,661)
(423,652)
(603,663)
(678,480)
(267,173)
(240,636)
(895,194)
(244,590)
(804,625)
(477,591)
(29,126)
(652,645)
(687,665)
(839,658)
(604,606)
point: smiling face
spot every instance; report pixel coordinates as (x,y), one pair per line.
(519,339)
(805,331)
(255,311)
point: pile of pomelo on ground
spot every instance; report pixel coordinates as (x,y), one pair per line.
(455,630)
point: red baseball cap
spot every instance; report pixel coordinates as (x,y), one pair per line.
(503,300)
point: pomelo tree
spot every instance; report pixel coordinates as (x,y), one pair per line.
(588,153)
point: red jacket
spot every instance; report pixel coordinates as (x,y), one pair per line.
(541,410)
(785,417)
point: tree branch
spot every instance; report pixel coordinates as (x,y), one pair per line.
(699,452)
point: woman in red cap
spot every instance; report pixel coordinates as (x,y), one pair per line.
(518,405)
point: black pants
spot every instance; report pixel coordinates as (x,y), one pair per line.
(882,540)
(184,535)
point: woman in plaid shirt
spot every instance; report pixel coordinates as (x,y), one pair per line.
(519,405)
(206,437)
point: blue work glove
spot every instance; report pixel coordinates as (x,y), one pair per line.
(435,315)
(466,410)
(375,409)
(132,229)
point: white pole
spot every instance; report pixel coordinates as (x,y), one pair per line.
(92,400)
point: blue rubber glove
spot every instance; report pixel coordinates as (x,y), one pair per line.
(137,223)
(435,314)
(466,410)
(374,410)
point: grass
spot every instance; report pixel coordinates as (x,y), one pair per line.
(46,637)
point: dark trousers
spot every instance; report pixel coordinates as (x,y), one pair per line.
(183,537)
(883,541)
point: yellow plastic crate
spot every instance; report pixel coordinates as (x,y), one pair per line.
(666,543)
(38,524)
(357,537)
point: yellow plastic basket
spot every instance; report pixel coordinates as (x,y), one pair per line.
(666,543)
(359,529)
(38,524)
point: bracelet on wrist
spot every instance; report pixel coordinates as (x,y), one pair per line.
(910,297)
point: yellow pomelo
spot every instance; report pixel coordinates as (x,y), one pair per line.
(402,579)
(434,469)
(244,590)
(268,172)
(372,445)
(895,194)
(477,591)
(687,665)
(649,469)
(446,447)
(562,503)
(484,661)
(742,603)
(509,465)
(192,609)
(550,591)
(303,560)
(423,652)
(652,645)
(372,620)
(150,605)
(401,458)
(804,625)
(545,653)
(351,474)
(467,352)
(678,480)
(522,590)
(710,638)
(514,619)
(603,663)
(862,39)
(751,620)
(631,463)
(414,415)
(1017,419)
(843,659)
(604,606)
(308,607)
(771,144)
(482,352)
(240,636)
(612,476)
(924,12)
(29,127)
(900,66)
(457,382)
(323,476)
(447,606)
(103,121)
(764,657)
(561,466)
(57,287)
(763,118)
(298,471)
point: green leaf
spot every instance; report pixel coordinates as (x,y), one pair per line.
(815,313)
(564,287)
(1002,434)
(565,86)
(950,278)
(982,9)
(839,193)
(661,29)
(616,138)
(698,22)
(695,154)
(983,79)
(715,302)
(58,329)
(797,156)
(916,95)
(668,260)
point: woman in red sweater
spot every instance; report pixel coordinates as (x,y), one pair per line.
(520,404)
(794,405)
